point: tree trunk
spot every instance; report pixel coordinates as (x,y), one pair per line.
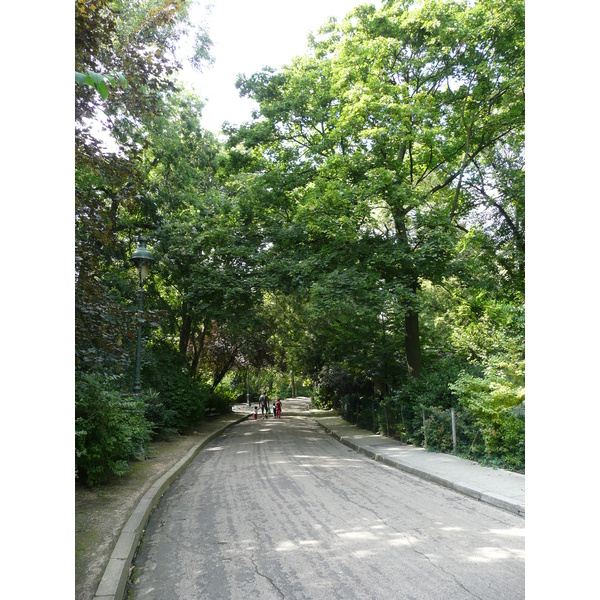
(413,344)
(218,377)
(185,331)
(411,319)
(198,343)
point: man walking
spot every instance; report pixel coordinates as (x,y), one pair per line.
(263,403)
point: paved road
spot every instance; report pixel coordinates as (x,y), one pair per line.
(279,509)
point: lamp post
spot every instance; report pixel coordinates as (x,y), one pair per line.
(248,386)
(142,259)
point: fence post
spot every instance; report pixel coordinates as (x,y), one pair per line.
(453,429)
(473,442)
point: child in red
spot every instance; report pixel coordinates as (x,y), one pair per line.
(255,413)
(278,408)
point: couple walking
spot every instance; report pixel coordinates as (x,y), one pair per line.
(263,402)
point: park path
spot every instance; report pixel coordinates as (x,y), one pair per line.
(279,509)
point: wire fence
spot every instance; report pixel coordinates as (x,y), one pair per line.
(449,430)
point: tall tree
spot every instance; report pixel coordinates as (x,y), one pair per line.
(377,130)
(137,39)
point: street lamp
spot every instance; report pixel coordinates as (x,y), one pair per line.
(142,259)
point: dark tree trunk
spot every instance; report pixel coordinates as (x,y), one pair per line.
(185,331)
(413,344)
(218,377)
(198,343)
(411,319)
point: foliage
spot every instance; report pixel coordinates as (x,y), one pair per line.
(365,232)
(432,389)
(209,265)
(363,152)
(497,402)
(99,81)
(183,399)
(110,427)
(220,400)
(160,417)
(138,40)
(135,41)
(335,383)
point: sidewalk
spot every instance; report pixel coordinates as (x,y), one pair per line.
(498,487)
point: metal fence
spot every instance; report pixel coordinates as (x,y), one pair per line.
(449,430)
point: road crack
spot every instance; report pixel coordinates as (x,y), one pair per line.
(256,569)
(273,584)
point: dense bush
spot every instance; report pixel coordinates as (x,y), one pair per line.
(109,428)
(497,402)
(181,399)
(160,417)
(220,399)
(489,408)
(335,383)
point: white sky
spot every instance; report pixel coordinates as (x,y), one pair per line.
(248,35)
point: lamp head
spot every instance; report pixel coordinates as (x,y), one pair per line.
(142,258)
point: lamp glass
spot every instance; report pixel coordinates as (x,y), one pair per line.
(145,269)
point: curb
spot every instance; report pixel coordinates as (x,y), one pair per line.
(484,496)
(114,580)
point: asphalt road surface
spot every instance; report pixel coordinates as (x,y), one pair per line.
(279,509)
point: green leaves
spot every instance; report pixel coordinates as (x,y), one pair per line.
(381,179)
(109,428)
(374,154)
(99,81)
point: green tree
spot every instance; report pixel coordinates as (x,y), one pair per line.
(373,134)
(137,40)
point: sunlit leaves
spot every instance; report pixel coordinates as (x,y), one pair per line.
(99,81)
(370,146)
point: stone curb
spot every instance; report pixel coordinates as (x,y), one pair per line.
(496,500)
(114,580)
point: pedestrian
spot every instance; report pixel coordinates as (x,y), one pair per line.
(274,407)
(278,408)
(263,402)
(255,413)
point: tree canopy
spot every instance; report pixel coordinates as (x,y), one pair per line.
(361,238)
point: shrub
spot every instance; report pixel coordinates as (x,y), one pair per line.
(334,384)
(497,402)
(160,417)
(220,399)
(109,428)
(182,399)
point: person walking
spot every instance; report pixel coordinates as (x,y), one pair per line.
(263,402)
(278,408)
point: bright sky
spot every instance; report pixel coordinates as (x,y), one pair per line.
(248,35)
